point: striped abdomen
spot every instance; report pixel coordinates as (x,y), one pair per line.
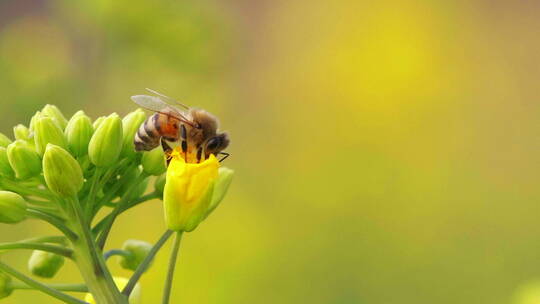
(154,127)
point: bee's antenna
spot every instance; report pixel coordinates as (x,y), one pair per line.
(168,98)
(225,156)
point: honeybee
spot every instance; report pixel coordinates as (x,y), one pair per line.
(194,130)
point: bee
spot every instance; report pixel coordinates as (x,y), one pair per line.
(194,130)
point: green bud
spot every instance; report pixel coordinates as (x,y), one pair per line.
(33,120)
(23,159)
(136,252)
(159,184)
(45,264)
(78,132)
(5,285)
(12,207)
(221,186)
(62,172)
(4,140)
(5,167)
(98,122)
(21,132)
(153,162)
(54,113)
(47,131)
(106,143)
(130,125)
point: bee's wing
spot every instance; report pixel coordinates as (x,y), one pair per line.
(155,104)
(168,98)
(150,102)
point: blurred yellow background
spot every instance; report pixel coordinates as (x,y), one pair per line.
(385,152)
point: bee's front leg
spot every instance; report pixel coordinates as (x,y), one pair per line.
(167,149)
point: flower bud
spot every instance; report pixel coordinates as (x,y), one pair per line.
(98,122)
(159,184)
(53,112)
(78,133)
(134,297)
(47,131)
(62,172)
(5,167)
(21,132)
(106,143)
(23,159)
(33,120)
(45,264)
(12,207)
(188,192)
(136,252)
(5,285)
(130,125)
(4,140)
(153,162)
(221,186)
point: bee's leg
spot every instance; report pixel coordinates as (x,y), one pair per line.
(183,136)
(225,156)
(199,154)
(167,149)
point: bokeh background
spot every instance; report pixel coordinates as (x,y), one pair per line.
(385,151)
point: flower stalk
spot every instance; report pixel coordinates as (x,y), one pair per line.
(172,266)
(66,252)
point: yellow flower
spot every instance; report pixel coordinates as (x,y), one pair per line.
(189,191)
(134,298)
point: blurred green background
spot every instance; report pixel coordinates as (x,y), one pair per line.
(385,152)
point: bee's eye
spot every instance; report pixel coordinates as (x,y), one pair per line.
(213,144)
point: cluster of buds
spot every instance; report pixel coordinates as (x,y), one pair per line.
(66,171)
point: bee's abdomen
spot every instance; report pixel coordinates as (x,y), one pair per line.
(148,136)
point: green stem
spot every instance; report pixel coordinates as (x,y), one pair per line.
(13,186)
(56,222)
(140,200)
(119,252)
(92,193)
(91,263)
(57,286)
(57,239)
(146,262)
(172,266)
(117,210)
(68,253)
(39,202)
(99,226)
(40,286)
(43,209)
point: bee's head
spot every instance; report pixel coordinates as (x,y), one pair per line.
(216,144)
